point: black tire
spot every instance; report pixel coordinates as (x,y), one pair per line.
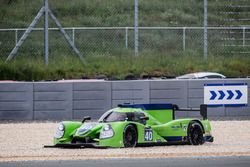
(195,134)
(129,136)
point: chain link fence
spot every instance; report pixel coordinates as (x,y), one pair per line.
(106,27)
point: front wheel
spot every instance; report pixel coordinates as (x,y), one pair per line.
(195,134)
(129,136)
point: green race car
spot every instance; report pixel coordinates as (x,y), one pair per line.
(135,125)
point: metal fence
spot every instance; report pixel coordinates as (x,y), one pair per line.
(120,40)
(181,27)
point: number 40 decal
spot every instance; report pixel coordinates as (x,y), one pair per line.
(148,135)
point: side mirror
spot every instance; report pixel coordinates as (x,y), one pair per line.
(86,118)
(144,118)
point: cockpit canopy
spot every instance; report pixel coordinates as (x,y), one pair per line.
(114,116)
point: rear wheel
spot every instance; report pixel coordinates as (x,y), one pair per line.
(129,136)
(195,134)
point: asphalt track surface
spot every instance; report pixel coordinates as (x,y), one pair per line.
(234,161)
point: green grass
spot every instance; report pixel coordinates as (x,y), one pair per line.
(118,67)
(116,12)
(161,52)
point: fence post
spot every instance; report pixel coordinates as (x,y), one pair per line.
(73,35)
(244,36)
(184,38)
(136,38)
(16,33)
(126,37)
(205,30)
(46,31)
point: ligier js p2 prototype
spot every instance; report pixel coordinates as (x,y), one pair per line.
(135,125)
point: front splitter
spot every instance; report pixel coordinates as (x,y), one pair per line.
(76,145)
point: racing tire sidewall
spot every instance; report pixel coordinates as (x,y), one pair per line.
(195,134)
(130,136)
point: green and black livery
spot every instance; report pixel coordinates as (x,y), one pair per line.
(136,125)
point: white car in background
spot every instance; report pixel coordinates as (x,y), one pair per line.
(202,75)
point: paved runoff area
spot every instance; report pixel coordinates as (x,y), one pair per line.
(230,161)
(24,142)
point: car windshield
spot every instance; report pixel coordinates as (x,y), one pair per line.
(113,117)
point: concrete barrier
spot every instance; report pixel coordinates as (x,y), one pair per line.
(74,100)
(173,91)
(16,101)
(52,100)
(134,92)
(91,98)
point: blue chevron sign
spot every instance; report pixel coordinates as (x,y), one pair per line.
(227,94)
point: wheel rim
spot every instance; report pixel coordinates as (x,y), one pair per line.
(130,137)
(196,135)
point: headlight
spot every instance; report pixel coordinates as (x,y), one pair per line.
(60,131)
(61,127)
(85,128)
(107,132)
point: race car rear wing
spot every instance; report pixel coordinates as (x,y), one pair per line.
(202,109)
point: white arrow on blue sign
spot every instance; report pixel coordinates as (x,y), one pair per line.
(228,94)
